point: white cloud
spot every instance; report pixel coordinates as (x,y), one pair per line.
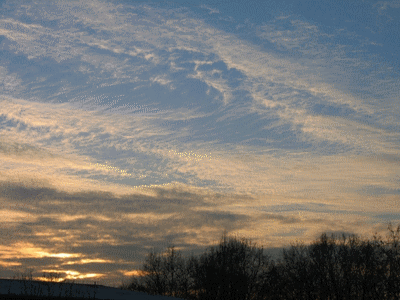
(384,5)
(219,84)
(8,82)
(14,36)
(162,80)
(210,9)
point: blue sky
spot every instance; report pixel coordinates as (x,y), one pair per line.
(126,125)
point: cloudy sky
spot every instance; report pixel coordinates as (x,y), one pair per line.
(132,125)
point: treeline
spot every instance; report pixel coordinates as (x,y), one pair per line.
(330,268)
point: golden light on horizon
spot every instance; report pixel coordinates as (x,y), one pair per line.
(49,279)
(28,250)
(72,275)
(61,275)
(136,273)
(88,261)
(8,264)
(62,255)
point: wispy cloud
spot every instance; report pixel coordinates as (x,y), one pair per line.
(128,125)
(295,100)
(211,10)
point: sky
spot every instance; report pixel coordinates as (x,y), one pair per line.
(127,126)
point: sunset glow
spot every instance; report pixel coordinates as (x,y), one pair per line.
(130,126)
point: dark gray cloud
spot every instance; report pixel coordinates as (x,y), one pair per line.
(379,190)
(104,226)
(282,219)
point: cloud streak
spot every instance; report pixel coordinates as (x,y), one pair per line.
(126,126)
(105,234)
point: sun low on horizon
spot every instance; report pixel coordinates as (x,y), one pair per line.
(127,126)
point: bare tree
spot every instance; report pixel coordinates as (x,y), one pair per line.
(331,268)
(163,274)
(235,269)
(392,252)
(295,273)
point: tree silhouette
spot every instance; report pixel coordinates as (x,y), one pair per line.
(235,269)
(163,274)
(331,268)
